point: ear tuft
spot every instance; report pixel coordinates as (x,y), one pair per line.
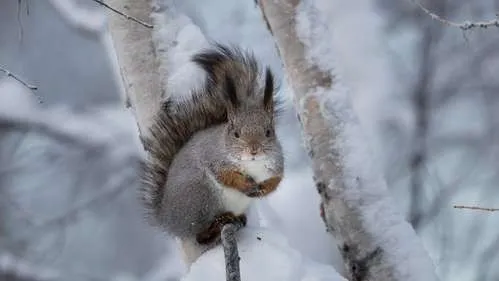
(230,91)
(268,101)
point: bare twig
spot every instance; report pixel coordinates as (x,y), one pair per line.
(466,25)
(230,251)
(128,17)
(476,208)
(10,74)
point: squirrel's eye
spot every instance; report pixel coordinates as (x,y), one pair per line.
(236,134)
(268,133)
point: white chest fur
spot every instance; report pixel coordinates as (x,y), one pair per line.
(233,200)
(257,169)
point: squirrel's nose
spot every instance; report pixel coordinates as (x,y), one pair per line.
(254,148)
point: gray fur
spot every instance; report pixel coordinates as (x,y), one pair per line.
(195,138)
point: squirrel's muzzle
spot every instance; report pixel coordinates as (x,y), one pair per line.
(254,148)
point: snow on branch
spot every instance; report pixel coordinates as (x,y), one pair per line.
(467,25)
(83,20)
(476,208)
(375,240)
(152,62)
(264,256)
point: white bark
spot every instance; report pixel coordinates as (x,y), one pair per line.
(374,239)
(137,59)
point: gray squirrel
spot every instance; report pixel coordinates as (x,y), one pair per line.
(214,152)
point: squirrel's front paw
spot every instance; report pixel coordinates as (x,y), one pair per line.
(255,191)
(263,188)
(212,233)
(237,180)
(249,182)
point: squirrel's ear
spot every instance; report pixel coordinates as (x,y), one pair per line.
(268,101)
(230,91)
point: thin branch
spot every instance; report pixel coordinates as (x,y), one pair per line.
(10,74)
(476,208)
(231,253)
(466,25)
(128,17)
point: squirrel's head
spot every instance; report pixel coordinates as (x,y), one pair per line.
(250,132)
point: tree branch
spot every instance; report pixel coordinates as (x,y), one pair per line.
(135,57)
(375,240)
(128,17)
(42,127)
(467,25)
(231,253)
(10,74)
(476,208)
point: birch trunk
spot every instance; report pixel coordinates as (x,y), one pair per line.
(375,241)
(136,59)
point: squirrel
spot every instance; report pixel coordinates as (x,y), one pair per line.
(215,151)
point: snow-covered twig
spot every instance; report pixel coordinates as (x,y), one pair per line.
(128,17)
(476,208)
(231,253)
(10,74)
(464,25)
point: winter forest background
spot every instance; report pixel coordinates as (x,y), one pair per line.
(427,95)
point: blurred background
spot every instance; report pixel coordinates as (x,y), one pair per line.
(427,95)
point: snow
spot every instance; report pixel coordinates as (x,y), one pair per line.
(92,22)
(177,39)
(265,255)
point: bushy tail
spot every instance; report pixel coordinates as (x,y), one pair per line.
(177,121)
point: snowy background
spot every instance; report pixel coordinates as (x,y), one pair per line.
(427,95)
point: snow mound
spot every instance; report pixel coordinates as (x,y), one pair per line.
(265,255)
